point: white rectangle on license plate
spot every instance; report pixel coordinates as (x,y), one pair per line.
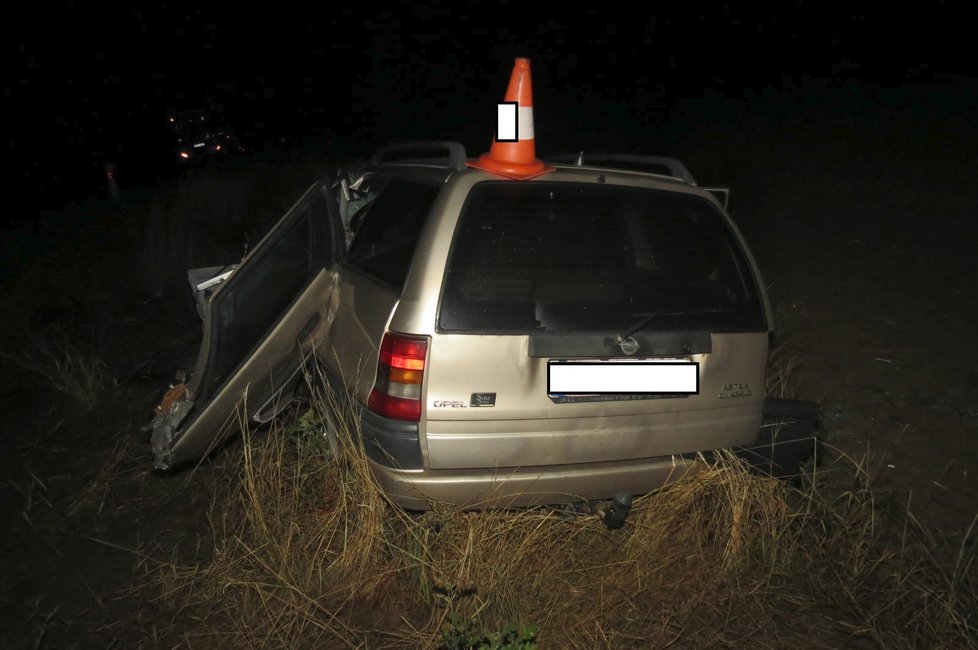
(621,378)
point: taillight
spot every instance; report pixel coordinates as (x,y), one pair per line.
(400,370)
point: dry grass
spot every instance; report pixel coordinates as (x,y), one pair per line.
(68,368)
(310,554)
(91,499)
(782,377)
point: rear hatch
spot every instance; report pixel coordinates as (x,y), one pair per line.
(608,285)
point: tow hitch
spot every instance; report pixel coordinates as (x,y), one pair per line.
(612,513)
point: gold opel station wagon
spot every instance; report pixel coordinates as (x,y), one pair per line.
(509,331)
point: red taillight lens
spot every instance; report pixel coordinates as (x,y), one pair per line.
(400,372)
(397,351)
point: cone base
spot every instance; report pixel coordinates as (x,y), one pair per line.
(509,169)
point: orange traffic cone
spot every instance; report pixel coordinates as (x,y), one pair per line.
(515,157)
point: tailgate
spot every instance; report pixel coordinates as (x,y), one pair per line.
(505,414)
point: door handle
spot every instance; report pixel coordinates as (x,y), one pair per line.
(308,327)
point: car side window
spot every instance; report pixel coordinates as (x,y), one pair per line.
(261,291)
(388,230)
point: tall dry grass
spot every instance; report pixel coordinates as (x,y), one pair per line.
(309,553)
(65,366)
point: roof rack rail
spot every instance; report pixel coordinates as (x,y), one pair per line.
(428,152)
(632,162)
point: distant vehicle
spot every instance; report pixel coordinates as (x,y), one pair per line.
(200,136)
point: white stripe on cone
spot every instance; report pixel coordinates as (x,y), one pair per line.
(526,123)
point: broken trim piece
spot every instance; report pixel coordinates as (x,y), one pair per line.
(163,429)
(205,281)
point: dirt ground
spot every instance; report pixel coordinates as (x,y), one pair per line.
(873,277)
(870,261)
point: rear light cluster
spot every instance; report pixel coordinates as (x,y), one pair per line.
(400,370)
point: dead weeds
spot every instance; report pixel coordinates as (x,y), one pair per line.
(309,553)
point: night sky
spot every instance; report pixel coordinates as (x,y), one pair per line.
(92,84)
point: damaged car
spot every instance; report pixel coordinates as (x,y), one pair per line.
(508,331)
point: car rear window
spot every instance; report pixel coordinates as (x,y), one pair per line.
(388,231)
(568,257)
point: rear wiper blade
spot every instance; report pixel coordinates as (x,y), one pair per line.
(647,318)
(636,327)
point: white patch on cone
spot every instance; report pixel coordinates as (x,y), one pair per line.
(506,121)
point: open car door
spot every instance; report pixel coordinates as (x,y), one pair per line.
(259,326)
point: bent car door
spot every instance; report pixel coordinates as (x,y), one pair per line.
(258,327)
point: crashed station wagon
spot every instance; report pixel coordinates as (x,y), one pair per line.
(509,331)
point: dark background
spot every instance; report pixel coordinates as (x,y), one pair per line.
(92,84)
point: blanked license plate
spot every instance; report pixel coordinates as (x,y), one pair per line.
(666,377)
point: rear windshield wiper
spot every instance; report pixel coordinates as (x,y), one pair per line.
(647,318)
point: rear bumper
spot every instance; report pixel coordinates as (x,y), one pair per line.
(393,443)
(528,486)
